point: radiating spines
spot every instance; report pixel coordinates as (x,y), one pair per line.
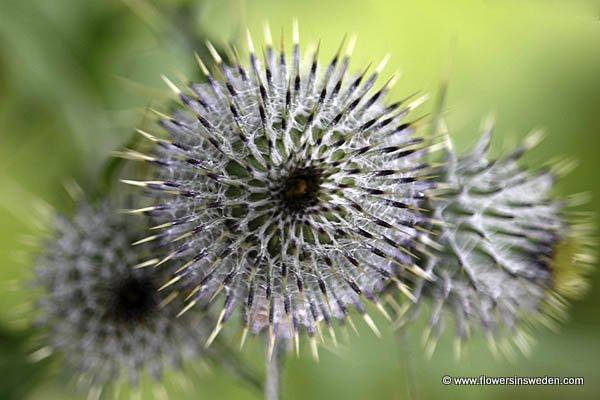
(500,265)
(100,309)
(294,195)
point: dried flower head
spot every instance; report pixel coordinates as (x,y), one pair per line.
(508,257)
(291,190)
(104,317)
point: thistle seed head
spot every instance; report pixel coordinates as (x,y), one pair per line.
(509,255)
(290,190)
(106,318)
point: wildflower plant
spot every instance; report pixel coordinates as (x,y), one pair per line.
(103,315)
(509,254)
(293,195)
(290,189)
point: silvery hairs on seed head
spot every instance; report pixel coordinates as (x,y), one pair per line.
(290,190)
(508,255)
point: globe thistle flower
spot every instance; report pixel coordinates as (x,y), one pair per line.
(291,190)
(105,317)
(508,256)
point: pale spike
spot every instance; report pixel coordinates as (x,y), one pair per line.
(436,147)
(146,135)
(404,289)
(201,64)
(168,299)
(135,183)
(295,31)
(172,281)
(160,114)
(216,331)
(430,348)
(333,337)
(40,354)
(219,289)
(244,336)
(182,236)
(132,155)
(457,348)
(192,293)
(145,240)
(351,45)
(393,80)
(533,139)
(139,210)
(491,342)
(186,308)
(351,323)
(73,189)
(418,102)
(185,266)
(146,263)
(314,348)
(383,311)
(488,123)
(167,258)
(372,325)
(214,53)
(382,64)
(250,42)
(161,226)
(267,33)
(171,85)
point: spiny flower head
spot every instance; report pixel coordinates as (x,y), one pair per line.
(105,317)
(290,189)
(508,257)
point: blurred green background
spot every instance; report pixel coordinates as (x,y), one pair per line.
(76,77)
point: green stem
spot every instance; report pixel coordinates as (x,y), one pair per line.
(407,359)
(274,362)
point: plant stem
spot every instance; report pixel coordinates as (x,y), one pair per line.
(274,361)
(407,359)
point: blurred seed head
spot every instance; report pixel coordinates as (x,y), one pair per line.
(290,190)
(509,255)
(106,318)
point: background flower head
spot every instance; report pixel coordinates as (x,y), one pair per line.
(509,254)
(103,315)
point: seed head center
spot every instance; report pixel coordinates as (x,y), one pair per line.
(301,189)
(133,300)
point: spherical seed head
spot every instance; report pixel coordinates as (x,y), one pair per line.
(290,190)
(101,314)
(508,256)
